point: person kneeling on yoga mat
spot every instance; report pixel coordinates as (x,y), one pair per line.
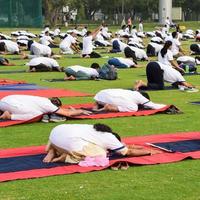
(121,100)
(26,107)
(157,73)
(71,143)
(43,64)
(78,72)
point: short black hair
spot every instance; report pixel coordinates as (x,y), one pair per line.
(105,128)
(95,66)
(56,101)
(174,34)
(88,33)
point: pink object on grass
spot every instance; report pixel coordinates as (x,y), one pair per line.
(98,161)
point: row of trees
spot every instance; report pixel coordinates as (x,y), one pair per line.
(112,9)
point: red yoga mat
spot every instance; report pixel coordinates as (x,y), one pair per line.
(10,82)
(142,160)
(113,114)
(46,93)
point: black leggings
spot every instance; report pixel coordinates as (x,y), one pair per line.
(129,53)
(151,50)
(93,55)
(154,77)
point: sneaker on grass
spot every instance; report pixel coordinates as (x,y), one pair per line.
(57,118)
(45,118)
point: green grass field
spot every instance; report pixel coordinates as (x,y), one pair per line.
(177,181)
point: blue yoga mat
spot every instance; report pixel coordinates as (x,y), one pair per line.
(25,86)
(179,146)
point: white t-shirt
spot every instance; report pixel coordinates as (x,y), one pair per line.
(11,46)
(67,42)
(73,138)
(124,100)
(87,45)
(139,53)
(140,27)
(25,107)
(40,49)
(167,58)
(175,46)
(86,70)
(50,62)
(185,59)
(156,39)
(46,40)
(56,32)
(156,46)
(170,74)
(126,61)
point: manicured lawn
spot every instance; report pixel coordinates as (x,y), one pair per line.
(178,181)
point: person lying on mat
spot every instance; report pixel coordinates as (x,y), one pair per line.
(43,64)
(26,107)
(8,47)
(157,73)
(121,100)
(78,72)
(120,62)
(5,62)
(71,143)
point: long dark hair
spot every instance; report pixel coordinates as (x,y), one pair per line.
(105,128)
(165,48)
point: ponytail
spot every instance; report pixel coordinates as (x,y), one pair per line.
(165,48)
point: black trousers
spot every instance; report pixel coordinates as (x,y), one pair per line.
(129,53)
(93,55)
(151,50)
(154,77)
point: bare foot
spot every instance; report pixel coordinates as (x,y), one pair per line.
(49,157)
(69,78)
(23,56)
(5,115)
(153,151)
(138,84)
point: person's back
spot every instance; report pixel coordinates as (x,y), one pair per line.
(40,49)
(26,106)
(87,70)
(68,136)
(166,58)
(87,45)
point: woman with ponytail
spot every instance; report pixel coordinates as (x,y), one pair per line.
(165,57)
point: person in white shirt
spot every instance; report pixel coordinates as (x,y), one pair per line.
(158,73)
(188,60)
(38,50)
(157,40)
(117,45)
(141,29)
(78,72)
(71,143)
(100,41)
(8,47)
(68,44)
(107,35)
(121,100)
(57,32)
(165,56)
(120,62)
(167,23)
(26,107)
(84,31)
(153,49)
(43,64)
(135,53)
(47,40)
(176,45)
(87,51)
